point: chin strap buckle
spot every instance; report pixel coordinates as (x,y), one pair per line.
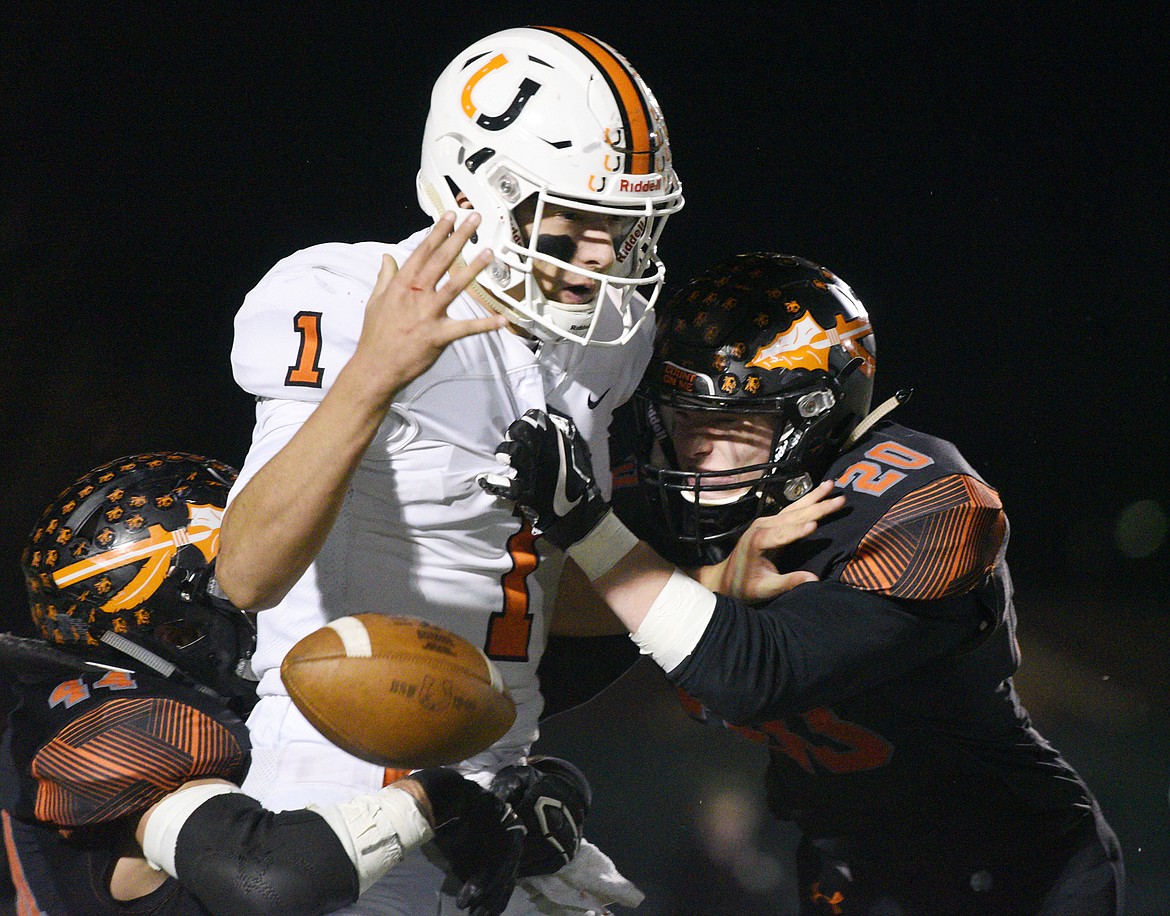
(899,398)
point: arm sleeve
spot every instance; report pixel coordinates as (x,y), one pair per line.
(237,857)
(816,645)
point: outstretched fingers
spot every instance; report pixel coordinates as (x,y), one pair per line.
(749,572)
(796,521)
(436,254)
(463,274)
(406,325)
(773,532)
(437,258)
(455,328)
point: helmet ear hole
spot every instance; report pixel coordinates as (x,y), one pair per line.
(181,633)
(478,158)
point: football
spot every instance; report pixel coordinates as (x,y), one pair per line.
(397,691)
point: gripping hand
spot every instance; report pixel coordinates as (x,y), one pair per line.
(552,797)
(553,481)
(480,835)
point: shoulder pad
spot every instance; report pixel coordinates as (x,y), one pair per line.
(939,540)
(33,660)
(124,755)
(300,325)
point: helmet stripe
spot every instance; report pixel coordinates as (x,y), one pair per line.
(159,542)
(635,110)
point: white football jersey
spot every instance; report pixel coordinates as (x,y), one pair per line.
(417,536)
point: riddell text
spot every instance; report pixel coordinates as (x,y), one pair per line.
(646,184)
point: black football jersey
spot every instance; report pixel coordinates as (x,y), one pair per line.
(884,690)
(84,756)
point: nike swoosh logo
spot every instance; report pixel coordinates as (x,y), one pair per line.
(592,403)
(562,506)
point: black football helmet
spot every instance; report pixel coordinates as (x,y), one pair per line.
(763,334)
(120,567)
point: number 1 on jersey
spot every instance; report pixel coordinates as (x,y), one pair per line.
(510,629)
(306,372)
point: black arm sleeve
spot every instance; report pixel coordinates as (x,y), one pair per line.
(574,669)
(238,857)
(813,646)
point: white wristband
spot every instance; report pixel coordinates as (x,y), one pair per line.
(162,830)
(600,550)
(676,621)
(377,830)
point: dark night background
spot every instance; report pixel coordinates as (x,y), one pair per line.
(992,183)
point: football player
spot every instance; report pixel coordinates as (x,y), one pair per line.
(867,637)
(125,752)
(385,375)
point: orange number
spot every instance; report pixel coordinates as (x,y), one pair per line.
(848,747)
(817,737)
(510,629)
(869,477)
(117,680)
(836,745)
(898,455)
(69,692)
(306,372)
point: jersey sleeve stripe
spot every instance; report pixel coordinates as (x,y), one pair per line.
(26,901)
(938,541)
(124,756)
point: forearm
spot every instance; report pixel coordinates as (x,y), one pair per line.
(276,525)
(665,611)
(578,610)
(235,856)
(710,577)
(632,585)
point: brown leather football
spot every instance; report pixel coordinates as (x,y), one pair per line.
(397,691)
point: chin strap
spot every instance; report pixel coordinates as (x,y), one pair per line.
(899,398)
(138,653)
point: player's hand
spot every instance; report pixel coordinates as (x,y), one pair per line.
(552,481)
(406,327)
(748,572)
(480,835)
(552,797)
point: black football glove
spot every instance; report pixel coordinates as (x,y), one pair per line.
(480,835)
(826,880)
(553,484)
(552,797)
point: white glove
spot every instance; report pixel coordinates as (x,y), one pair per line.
(588,884)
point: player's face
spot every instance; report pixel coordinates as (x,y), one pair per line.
(577,237)
(714,441)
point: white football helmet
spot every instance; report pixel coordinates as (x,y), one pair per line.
(560,115)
